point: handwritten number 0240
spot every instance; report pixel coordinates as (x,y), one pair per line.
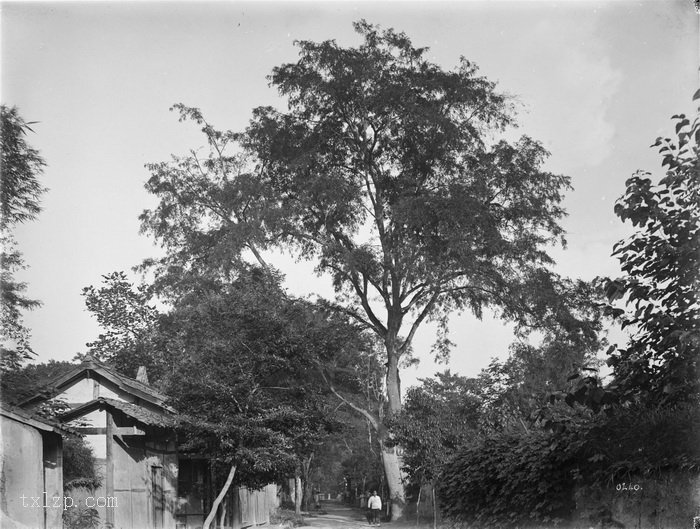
(628,486)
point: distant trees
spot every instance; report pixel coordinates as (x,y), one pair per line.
(21,189)
(438,417)
(29,380)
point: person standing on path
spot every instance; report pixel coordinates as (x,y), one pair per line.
(375,508)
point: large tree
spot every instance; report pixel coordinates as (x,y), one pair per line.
(20,194)
(385,172)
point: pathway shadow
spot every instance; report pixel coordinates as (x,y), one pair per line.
(335,515)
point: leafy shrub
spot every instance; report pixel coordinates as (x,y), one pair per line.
(81,518)
(520,478)
(79,464)
(644,442)
(513,478)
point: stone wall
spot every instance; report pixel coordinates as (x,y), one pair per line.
(669,501)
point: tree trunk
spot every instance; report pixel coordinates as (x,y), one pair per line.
(435,511)
(217,501)
(305,494)
(306,469)
(297,495)
(393,382)
(391,457)
(394,480)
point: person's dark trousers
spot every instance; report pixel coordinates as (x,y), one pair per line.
(375,516)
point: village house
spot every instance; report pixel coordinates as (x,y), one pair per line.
(146,482)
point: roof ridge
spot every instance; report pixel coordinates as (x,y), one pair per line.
(91,359)
(89,362)
(164,417)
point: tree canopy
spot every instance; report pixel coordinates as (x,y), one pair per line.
(129,322)
(383,170)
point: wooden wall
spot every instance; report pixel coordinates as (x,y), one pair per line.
(30,466)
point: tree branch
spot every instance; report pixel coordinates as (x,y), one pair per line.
(366,414)
(416,323)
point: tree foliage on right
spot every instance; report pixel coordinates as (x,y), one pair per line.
(661,285)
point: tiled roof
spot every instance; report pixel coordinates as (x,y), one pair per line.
(40,423)
(94,367)
(139,413)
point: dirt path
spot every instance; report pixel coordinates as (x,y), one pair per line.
(335,515)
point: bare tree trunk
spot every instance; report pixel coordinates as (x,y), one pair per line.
(298,495)
(391,457)
(306,471)
(394,481)
(217,501)
(305,494)
(432,486)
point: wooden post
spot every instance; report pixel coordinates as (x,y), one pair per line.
(109,481)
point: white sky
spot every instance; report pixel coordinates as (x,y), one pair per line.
(598,82)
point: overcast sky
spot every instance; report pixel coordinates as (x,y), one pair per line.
(597,82)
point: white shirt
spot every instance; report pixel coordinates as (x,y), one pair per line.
(375,502)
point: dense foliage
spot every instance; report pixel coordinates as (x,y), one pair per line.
(21,167)
(242,361)
(29,380)
(520,476)
(511,478)
(528,477)
(79,464)
(244,364)
(128,320)
(437,418)
(661,285)
(449,412)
